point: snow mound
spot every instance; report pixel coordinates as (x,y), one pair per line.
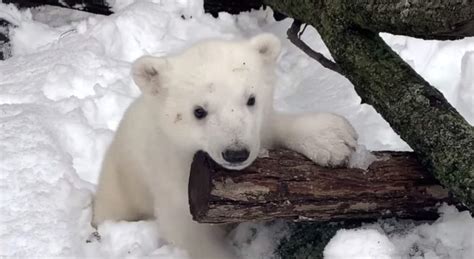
(361,158)
(129,240)
(451,236)
(359,243)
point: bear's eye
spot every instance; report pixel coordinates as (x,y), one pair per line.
(200,113)
(251,101)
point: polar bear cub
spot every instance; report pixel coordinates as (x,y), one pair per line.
(217,97)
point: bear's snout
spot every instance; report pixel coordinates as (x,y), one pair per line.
(236,155)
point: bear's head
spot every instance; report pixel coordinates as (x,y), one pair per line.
(213,97)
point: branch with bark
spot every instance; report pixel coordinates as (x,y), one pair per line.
(441,138)
(442,20)
(294,35)
(287,185)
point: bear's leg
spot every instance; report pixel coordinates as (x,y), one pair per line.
(119,198)
(325,138)
(200,241)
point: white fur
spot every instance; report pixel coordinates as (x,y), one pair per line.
(146,168)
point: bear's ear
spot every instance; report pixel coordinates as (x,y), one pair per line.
(268,45)
(147,73)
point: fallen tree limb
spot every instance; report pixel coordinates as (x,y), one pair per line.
(448,19)
(441,138)
(287,185)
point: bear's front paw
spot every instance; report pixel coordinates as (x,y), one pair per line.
(327,139)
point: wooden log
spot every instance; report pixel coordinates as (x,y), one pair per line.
(286,185)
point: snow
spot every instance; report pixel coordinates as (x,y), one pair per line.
(361,158)
(131,240)
(67,85)
(451,236)
(359,243)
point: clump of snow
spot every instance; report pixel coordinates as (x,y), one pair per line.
(57,16)
(65,89)
(361,158)
(31,36)
(451,236)
(263,153)
(12,14)
(129,240)
(359,243)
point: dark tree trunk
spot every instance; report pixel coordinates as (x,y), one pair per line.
(441,138)
(448,19)
(286,185)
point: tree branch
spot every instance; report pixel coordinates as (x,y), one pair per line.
(442,20)
(448,19)
(418,112)
(295,37)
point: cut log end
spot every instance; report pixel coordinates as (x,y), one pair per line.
(199,185)
(286,185)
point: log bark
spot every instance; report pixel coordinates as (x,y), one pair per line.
(286,185)
(450,19)
(441,138)
(447,19)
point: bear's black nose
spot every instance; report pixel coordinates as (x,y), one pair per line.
(235,156)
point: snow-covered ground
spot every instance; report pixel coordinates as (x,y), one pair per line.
(64,90)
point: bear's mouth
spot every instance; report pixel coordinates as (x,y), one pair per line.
(235,166)
(223,163)
(229,165)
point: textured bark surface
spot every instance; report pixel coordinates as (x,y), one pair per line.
(286,185)
(448,19)
(419,113)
